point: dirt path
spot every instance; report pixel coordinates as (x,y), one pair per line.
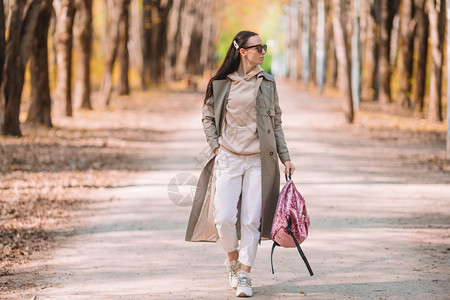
(380,221)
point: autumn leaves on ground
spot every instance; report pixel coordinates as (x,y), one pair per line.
(46,173)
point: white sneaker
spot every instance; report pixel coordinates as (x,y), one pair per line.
(244,285)
(233,268)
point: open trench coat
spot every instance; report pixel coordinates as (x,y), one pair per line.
(201,225)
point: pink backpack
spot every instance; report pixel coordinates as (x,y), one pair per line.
(290,222)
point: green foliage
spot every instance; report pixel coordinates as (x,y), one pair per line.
(261,16)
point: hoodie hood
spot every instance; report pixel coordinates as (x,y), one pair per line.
(235,76)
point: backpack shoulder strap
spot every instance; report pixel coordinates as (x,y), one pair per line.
(271,255)
(289,231)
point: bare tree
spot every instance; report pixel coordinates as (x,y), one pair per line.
(320,45)
(65,11)
(356,55)
(117,9)
(370,81)
(388,11)
(173,40)
(207,33)
(188,15)
(135,42)
(342,53)
(421,50)
(312,41)
(83,36)
(2,48)
(191,37)
(407,28)
(124,58)
(306,17)
(154,43)
(40,108)
(212,12)
(436,10)
(448,80)
(23,18)
(193,61)
(11,88)
(330,60)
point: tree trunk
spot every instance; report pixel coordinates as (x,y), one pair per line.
(436,10)
(193,59)
(53,62)
(83,36)
(218,13)
(136,30)
(407,27)
(300,39)
(63,37)
(356,56)
(2,62)
(331,61)
(18,46)
(320,45)
(40,108)
(388,10)
(115,14)
(108,7)
(393,39)
(12,84)
(2,46)
(421,50)
(124,58)
(173,39)
(312,41)
(154,45)
(207,26)
(342,53)
(188,18)
(369,46)
(147,24)
(448,81)
(191,49)
(306,17)
(377,53)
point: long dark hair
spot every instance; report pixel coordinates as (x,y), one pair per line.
(231,61)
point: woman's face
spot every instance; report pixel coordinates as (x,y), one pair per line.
(252,54)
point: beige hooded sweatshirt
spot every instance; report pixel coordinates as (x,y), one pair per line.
(239,134)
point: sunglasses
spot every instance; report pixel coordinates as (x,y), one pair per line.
(258,47)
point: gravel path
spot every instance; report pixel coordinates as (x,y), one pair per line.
(379,221)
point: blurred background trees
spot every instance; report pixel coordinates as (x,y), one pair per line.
(380,51)
(401,52)
(159,41)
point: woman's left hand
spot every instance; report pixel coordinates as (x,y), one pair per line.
(288,168)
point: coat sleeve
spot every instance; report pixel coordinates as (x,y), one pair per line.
(209,124)
(282,148)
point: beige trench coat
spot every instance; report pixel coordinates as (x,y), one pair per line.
(201,225)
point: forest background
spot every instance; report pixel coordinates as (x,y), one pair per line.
(379,51)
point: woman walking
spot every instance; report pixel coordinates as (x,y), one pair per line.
(238,189)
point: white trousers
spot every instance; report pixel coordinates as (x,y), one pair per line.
(236,174)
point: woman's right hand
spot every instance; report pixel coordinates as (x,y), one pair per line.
(216,150)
